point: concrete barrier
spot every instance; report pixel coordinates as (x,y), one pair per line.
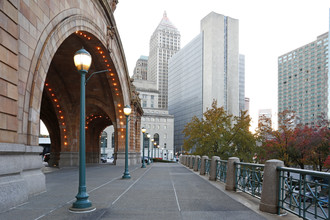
(231,179)
(192,161)
(270,187)
(213,168)
(202,171)
(197,158)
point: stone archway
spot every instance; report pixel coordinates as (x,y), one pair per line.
(35,68)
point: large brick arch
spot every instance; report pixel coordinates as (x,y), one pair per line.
(36,32)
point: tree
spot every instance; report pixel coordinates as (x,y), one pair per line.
(295,144)
(220,134)
(275,143)
(243,140)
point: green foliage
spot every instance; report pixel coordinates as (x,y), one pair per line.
(220,134)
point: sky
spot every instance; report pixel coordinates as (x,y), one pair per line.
(267,30)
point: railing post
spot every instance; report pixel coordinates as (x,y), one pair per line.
(213,168)
(202,172)
(197,158)
(192,158)
(270,187)
(181,159)
(188,160)
(184,159)
(231,173)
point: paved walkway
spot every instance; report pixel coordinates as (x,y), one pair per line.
(160,191)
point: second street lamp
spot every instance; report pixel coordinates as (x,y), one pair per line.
(148,136)
(127,112)
(152,147)
(143,131)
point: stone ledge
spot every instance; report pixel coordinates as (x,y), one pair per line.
(19,148)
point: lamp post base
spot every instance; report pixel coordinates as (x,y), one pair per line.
(126,175)
(143,165)
(84,210)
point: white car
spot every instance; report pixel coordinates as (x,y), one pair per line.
(107,160)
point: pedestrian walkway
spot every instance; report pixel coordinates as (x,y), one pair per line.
(160,191)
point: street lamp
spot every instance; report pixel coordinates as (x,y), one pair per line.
(155,143)
(143,131)
(152,147)
(82,60)
(127,112)
(148,136)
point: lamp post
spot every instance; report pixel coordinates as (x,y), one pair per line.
(158,150)
(152,148)
(155,143)
(82,60)
(148,136)
(127,112)
(143,131)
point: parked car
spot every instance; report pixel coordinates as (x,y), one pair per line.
(145,159)
(46,157)
(107,159)
(324,201)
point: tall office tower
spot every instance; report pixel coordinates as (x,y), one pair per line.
(265,117)
(241,72)
(140,70)
(206,69)
(247,105)
(303,81)
(159,124)
(164,42)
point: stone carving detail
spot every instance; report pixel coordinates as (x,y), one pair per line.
(110,37)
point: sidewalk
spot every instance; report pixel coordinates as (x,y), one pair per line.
(160,191)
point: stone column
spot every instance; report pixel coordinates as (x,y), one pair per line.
(192,161)
(188,160)
(213,168)
(180,159)
(202,171)
(270,187)
(184,159)
(197,158)
(231,170)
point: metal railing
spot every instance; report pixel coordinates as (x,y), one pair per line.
(207,166)
(249,178)
(199,164)
(221,173)
(304,193)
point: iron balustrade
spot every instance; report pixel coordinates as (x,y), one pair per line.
(304,193)
(199,164)
(221,173)
(207,166)
(249,178)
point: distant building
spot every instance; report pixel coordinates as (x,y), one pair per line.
(303,81)
(140,70)
(164,42)
(206,69)
(247,105)
(265,117)
(241,72)
(159,124)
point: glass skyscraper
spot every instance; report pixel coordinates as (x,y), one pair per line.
(205,70)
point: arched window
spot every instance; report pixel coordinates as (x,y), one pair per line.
(156,139)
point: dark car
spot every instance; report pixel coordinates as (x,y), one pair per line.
(145,159)
(46,157)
